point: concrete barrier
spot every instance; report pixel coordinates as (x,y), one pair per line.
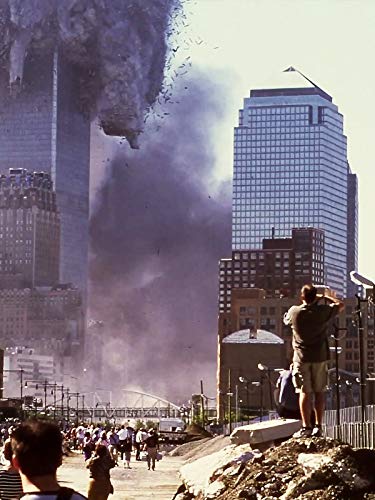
(264,433)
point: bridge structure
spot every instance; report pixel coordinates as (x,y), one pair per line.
(134,404)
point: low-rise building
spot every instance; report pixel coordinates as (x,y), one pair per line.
(49,320)
(242,386)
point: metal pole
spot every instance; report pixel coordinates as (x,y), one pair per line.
(338,402)
(247,402)
(261,397)
(270,388)
(362,375)
(202,404)
(229,403)
(83,407)
(62,404)
(54,401)
(237,412)
(21,392)
(77,409)
(45,396)
(67,405)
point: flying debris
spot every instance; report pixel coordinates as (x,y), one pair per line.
(119,47)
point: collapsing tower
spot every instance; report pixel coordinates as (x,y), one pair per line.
(42,127)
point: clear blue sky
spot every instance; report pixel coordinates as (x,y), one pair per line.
(249,42)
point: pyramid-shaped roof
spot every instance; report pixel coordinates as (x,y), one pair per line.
(286,82)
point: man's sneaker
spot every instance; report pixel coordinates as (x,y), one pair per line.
(304,432)
(317,431)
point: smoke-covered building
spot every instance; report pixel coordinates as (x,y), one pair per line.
(43,127)
(47,319)
(29,230)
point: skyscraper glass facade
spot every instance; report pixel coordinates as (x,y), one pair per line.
(291,170)
(43,128)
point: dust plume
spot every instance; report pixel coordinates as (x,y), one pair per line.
(160,225)
(119,47)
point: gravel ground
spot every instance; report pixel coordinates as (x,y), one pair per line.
(136,483)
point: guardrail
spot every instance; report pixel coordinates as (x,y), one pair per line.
(351,430)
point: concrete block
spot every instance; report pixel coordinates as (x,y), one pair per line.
(265,432)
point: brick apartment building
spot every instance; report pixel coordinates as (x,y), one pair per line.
(280,268)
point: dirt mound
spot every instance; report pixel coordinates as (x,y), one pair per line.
(195,431)
(197,449)
(315,469)
(188,448)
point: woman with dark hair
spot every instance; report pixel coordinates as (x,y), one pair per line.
(10,479)
(99,465)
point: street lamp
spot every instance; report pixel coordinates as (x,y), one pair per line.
(267,370)
(260,385)
(365,283)
(245,381)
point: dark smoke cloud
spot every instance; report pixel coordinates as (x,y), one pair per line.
(119,45)
(160,225)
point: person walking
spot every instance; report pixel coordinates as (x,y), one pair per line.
(127,448)
(122,435)
(151,446)
(88,446)
(309,322)
(103,439)
(113,445)
(100,486)
(10,479)
(139,437)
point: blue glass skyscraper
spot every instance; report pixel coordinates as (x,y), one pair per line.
(291,170)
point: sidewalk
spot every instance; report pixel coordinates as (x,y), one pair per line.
(130,484)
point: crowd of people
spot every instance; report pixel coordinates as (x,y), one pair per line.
(32,452)
(119,441)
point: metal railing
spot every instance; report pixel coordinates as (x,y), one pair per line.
(349,415)
(351,430)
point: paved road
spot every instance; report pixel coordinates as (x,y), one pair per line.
(134,484)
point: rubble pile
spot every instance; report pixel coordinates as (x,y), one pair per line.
(313,468)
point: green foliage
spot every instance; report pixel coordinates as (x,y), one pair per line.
(151,425)
(138,425)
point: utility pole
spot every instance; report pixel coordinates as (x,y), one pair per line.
(236,400)
(247,402)
(68,405)
(83,407)
(229,402)
(62,404)
(77,409)
(21,392)
(202,404)
(54,401)
(45,396)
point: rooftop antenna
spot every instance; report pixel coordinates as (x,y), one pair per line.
(292,69)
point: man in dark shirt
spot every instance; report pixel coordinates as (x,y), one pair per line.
(309,323)
(37,454)
(151,445)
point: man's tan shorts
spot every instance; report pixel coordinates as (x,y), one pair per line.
(310,377)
